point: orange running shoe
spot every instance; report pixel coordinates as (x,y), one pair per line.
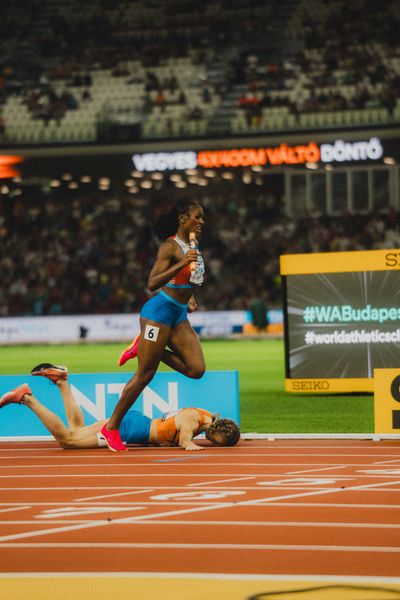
(51,372)
(16,395)
(113,439)
(129,352)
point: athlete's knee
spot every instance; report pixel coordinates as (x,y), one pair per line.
(65,440)
(196,371)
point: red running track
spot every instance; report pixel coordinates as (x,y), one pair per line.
(315,507)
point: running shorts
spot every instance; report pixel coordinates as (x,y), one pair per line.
(161,308)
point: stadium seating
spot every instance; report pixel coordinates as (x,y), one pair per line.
(293,60)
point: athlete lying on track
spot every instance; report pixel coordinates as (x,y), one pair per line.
(173,429)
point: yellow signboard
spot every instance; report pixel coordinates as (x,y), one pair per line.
(387,400)
(340,262)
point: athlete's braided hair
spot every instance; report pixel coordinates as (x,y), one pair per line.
(228,430)
(167,224)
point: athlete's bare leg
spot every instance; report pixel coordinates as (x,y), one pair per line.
(76,437)
(73,411)
(50,420)
(150,353)
(187,355)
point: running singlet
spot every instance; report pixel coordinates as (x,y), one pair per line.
(186,278)
(167,432)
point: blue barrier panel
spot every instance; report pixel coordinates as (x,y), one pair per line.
(98,393)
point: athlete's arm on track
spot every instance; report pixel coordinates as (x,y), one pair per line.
(187,422)
(168,263)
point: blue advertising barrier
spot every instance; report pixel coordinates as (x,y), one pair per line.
(98,393)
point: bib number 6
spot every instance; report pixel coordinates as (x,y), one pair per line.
(151,333)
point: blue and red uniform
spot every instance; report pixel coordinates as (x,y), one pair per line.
(164,309)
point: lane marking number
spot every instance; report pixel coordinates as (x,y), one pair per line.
(197,495)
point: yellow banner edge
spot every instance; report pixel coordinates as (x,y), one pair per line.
(340,262)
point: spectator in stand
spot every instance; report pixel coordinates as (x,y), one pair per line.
(160,100)
(195,114)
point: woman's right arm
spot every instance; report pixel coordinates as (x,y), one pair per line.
(167,265)
(187,422)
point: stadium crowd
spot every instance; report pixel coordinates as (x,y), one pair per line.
(91,253)
(305,57)
(345,62)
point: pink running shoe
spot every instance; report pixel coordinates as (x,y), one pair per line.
(113,439)
(129,352)
(16,395)
(51,372)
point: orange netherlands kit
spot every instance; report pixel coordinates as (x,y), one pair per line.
(167,432)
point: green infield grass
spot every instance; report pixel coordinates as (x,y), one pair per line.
(264,405)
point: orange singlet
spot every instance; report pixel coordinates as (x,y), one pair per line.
(167,432)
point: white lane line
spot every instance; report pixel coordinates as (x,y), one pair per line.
(192,523)
(335,505)
(11,508)
(156,465)
(132,504)
(271,524)
(177,546)
(316,470)
(163,487)
(165,475)
(46,522)
(216,504)
(288,504)
(369,486)
(221,481)
(310,487)
(127,459)
(131,493)
(208,487)
(365,579)
(92,488)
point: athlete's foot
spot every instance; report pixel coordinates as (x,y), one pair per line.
(129,352)
(113,439)
(52,372)
(15,396)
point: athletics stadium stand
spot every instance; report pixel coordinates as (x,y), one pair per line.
(120,71)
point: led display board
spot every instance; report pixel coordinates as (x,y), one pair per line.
(284,154)
(342,319)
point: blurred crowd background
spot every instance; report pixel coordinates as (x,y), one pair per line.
(117,71)
(73,71)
